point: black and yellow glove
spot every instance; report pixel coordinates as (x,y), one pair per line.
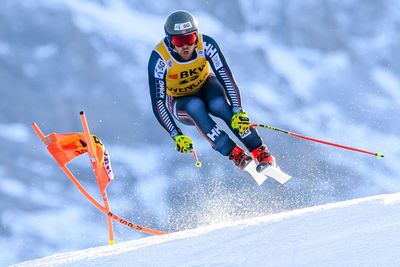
(183,143)
(240,122)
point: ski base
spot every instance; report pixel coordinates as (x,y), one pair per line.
(265,172)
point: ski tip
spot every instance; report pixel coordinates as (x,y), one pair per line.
(81,112)
(379,155)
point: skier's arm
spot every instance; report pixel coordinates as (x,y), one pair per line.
(222,71)
(156,72)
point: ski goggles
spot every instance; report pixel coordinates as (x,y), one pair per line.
(181,40)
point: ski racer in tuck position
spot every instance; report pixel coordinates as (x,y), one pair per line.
(182,87)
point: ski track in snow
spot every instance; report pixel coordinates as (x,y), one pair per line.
(360,232)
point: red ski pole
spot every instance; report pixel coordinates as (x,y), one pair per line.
(378,155)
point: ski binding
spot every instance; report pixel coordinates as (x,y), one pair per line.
(261,173)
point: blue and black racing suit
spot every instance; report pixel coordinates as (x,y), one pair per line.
(189,92)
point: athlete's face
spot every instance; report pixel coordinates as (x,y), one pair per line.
(186,51)
(184,44)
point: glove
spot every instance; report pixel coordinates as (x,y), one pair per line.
(240,122)
(183,143)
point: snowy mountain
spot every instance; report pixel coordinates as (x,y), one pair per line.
(327,69)
(360,232)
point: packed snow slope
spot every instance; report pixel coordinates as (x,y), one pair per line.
(332,74)
(360,232)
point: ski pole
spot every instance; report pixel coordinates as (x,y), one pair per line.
(198,162)
(378,155)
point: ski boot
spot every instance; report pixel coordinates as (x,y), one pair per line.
(263,157)
(239,157)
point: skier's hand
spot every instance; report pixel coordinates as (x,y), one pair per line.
(240,122)
(183,143)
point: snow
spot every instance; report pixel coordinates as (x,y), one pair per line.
(388,82)
(139,155)
(45,51)
(300,77)
(15,132)
(152,190)
(4,48)
(359,232)
(12,187)
(118,20)
(301,88)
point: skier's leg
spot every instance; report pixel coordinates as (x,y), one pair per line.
(192,110)
(218,105)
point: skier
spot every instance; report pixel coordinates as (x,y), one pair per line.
(183,87)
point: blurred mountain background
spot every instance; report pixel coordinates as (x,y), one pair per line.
(326,69)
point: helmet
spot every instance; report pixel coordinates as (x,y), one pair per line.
(180,22)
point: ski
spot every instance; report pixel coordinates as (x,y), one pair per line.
(261,173)
(273,172)
(251,168)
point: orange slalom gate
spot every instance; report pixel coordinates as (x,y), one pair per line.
(65,147)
